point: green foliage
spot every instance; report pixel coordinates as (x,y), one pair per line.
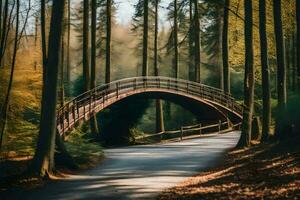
(82,149)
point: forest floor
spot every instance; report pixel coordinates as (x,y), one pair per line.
(269,171)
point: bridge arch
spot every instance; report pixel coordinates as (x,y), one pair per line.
(190,95)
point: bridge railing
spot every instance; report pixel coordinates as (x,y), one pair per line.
(194,130)
(86,104)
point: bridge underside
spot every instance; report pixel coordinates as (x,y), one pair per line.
(203,110)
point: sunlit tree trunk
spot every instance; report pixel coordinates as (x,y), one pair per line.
(249,80)
(108,42)
(281,68)
(265,71)
(145,39)
(226,69)
(43,162)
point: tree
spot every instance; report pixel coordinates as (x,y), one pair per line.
(145,38)
(226,69)
(265,71)
(94,124)
(4,28)
(249,80)
(108,41)
(176,51)
(68,42)
(281,67)
(298,40)
(85,46)
(197,41)
(4,110)
(160,127)
(43,162)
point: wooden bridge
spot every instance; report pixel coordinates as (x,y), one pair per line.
(87,104)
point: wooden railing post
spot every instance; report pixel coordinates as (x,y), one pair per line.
(181,133)
(200,129)
(68,115)
(117,88)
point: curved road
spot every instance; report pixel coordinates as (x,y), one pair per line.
(138,172)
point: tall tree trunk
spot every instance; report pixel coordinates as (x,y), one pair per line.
(294,62)
(176,53)
(4,31)
(160,127)
(192,72)
(298,41)
(62,77)
(265,71)
(68,42)
(281,68)
(249,77)
(35,40)
(94,124)
(145,38)
(226,69)
(108,42)
(85,46)
(288,60)
(197,41)
(43,35)
(43,162)
(1,7)
(3,114)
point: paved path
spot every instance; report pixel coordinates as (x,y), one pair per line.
(139,172)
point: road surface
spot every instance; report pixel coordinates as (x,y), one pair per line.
(138,172)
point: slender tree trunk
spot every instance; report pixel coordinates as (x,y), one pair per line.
(226,69)
(281,68)
(298,41)
(62,77)
(108,41)
(43,162)
(35,40)
(4,31)
(94,124)
(85,46)
(43,35)
(1,7)
(192,72)
(160,127)
(176,52)
(288,60)
(68,42)
(197,41)
(265,71)
(294,62)
(249,81)
(3,116)
(145,39)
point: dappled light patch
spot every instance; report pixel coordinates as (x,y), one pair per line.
(264,171)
